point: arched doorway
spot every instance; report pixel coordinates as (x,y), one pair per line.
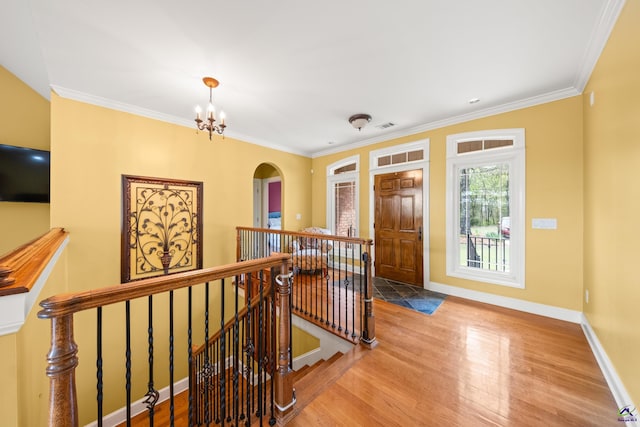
(267,197)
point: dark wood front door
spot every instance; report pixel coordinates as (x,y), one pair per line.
(398,226)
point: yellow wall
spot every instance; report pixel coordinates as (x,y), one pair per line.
(553,189)
(585,181)
(612,202)
(9,376)
(24,121)
(91,148)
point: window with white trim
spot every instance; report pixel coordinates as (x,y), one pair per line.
(485,206)
(343,197)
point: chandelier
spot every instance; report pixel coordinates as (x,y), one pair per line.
(209,122)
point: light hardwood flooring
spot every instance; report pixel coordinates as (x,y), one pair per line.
(469,364)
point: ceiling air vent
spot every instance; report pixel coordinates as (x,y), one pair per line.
(386,125)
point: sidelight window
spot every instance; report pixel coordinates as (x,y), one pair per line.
(342,197)
(485,206)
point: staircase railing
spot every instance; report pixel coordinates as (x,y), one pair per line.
(332,282)
(207,372)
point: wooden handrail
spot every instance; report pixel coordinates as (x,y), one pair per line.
(63,304)
(62,357)
(20,269)
(353,240)
(368,337)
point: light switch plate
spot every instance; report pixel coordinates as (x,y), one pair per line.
(544,223)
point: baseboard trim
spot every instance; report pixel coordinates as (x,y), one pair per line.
(309,358)
(614,382)
(120,416)
(618,390)
(559,313)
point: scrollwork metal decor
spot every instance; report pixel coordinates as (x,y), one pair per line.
(161,227)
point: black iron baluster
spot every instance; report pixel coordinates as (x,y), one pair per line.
(99,385)
(216,381)
(171,391)
(326,283)
(249,350)
(228,372)
(243,364)
(336,304)
(223,358)
(260,344)
(152,394)
(127,306)
(333,305)
(363,275)
(236,355)
(192,381)
(207,371)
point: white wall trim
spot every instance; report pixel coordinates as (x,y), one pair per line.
(487,112)
(559,313)
(614,382)
(119,416)
(14,309)
(423,165)
(309,358)
(155,115)
(598,40)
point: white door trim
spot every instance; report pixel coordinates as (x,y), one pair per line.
(423,165)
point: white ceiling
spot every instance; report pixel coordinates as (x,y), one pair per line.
(291,72)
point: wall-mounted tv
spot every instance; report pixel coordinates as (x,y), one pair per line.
(24,174)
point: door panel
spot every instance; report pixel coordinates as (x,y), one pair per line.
(398,225)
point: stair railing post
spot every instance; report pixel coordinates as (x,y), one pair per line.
(369,321)
(284,397)
(62,359)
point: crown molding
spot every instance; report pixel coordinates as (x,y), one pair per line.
(486,112)
(151,114)
(598,40)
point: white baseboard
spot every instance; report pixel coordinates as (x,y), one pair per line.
(619,392)
(120,416)
(614,382)
(559,313)
(309,358)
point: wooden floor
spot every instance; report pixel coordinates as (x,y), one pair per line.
(469,364)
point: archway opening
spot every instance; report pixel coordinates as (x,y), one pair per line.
(267,197)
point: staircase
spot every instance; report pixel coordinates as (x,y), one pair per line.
(311,381)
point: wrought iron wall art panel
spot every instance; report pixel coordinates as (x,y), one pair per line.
(161,227)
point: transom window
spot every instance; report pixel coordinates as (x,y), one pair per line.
(485,206)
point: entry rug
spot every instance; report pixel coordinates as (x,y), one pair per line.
(412,297)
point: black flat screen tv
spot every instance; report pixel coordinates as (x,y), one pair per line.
(24,174)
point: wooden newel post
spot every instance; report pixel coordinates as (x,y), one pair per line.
(284,399)
(63,403)
(368,321)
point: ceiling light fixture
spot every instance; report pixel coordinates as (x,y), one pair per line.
(358,121)
(474,100)
(209,122)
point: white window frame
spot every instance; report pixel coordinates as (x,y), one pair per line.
(332,179)
(514,156)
